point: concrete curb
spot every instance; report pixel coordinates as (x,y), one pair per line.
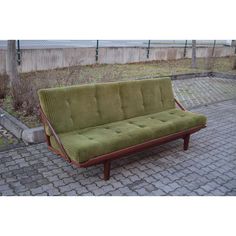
(33,135)
(11,123)
(20,130)
(180,76)
(223,75)
(191,75)
(36,135)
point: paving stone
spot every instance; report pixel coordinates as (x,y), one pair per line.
(86,194)
(26,193)
(68,180)
(71,193)
(166,188)
(43,194)
(231,193)
(150,187)
(184,191)
(117,185)
(53,192)
(8,192)
(116,193)
(200,192)
(230,185)
(43,181)
(137,184)
(150,179)
(134,178)
(174,185)
(133,193)
(4,187)
(92,187)
(58,183)
(82,190)
(223,189)
(75,185)
(207,188)
(98,191)
(158,192)
(165,180)
(36,191)
(217,192)
(124,190)
(107,188)
(32,185)
(64,188)
(142,192)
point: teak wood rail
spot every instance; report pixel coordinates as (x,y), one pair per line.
(106,158)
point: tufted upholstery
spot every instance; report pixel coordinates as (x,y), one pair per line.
(96,119)
(78,107)
(81,145)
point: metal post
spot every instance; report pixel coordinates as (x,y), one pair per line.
(194,57)
(185,48)
(18,53)
(148,48)
(213,50)
(97,51)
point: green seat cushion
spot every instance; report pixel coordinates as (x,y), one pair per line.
(84,144)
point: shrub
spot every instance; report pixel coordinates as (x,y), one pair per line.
(3,85)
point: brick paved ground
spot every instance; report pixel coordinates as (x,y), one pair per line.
(204,90)
(207,168)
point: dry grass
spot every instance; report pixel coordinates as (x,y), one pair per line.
(31,82)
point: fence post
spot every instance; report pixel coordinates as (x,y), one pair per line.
(213,50)
(234,45)
(194,46)
(185,48)
(148,48)
(97,51)
(18,53)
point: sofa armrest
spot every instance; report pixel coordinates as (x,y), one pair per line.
(179,105)
(46,121)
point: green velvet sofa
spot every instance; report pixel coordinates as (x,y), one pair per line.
(95,123)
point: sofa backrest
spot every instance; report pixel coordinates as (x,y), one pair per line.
(81,106)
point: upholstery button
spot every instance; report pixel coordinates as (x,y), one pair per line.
(107,127)
(118,132)
(90,138)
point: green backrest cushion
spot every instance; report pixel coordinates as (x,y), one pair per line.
(81,106)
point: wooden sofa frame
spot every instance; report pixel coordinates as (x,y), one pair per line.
(106,158)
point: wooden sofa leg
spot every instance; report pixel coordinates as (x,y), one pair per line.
(107,167)
(186,141)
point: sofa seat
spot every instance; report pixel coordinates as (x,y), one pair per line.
(84,144)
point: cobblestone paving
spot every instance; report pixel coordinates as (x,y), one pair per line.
(207,168)
(200,91)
